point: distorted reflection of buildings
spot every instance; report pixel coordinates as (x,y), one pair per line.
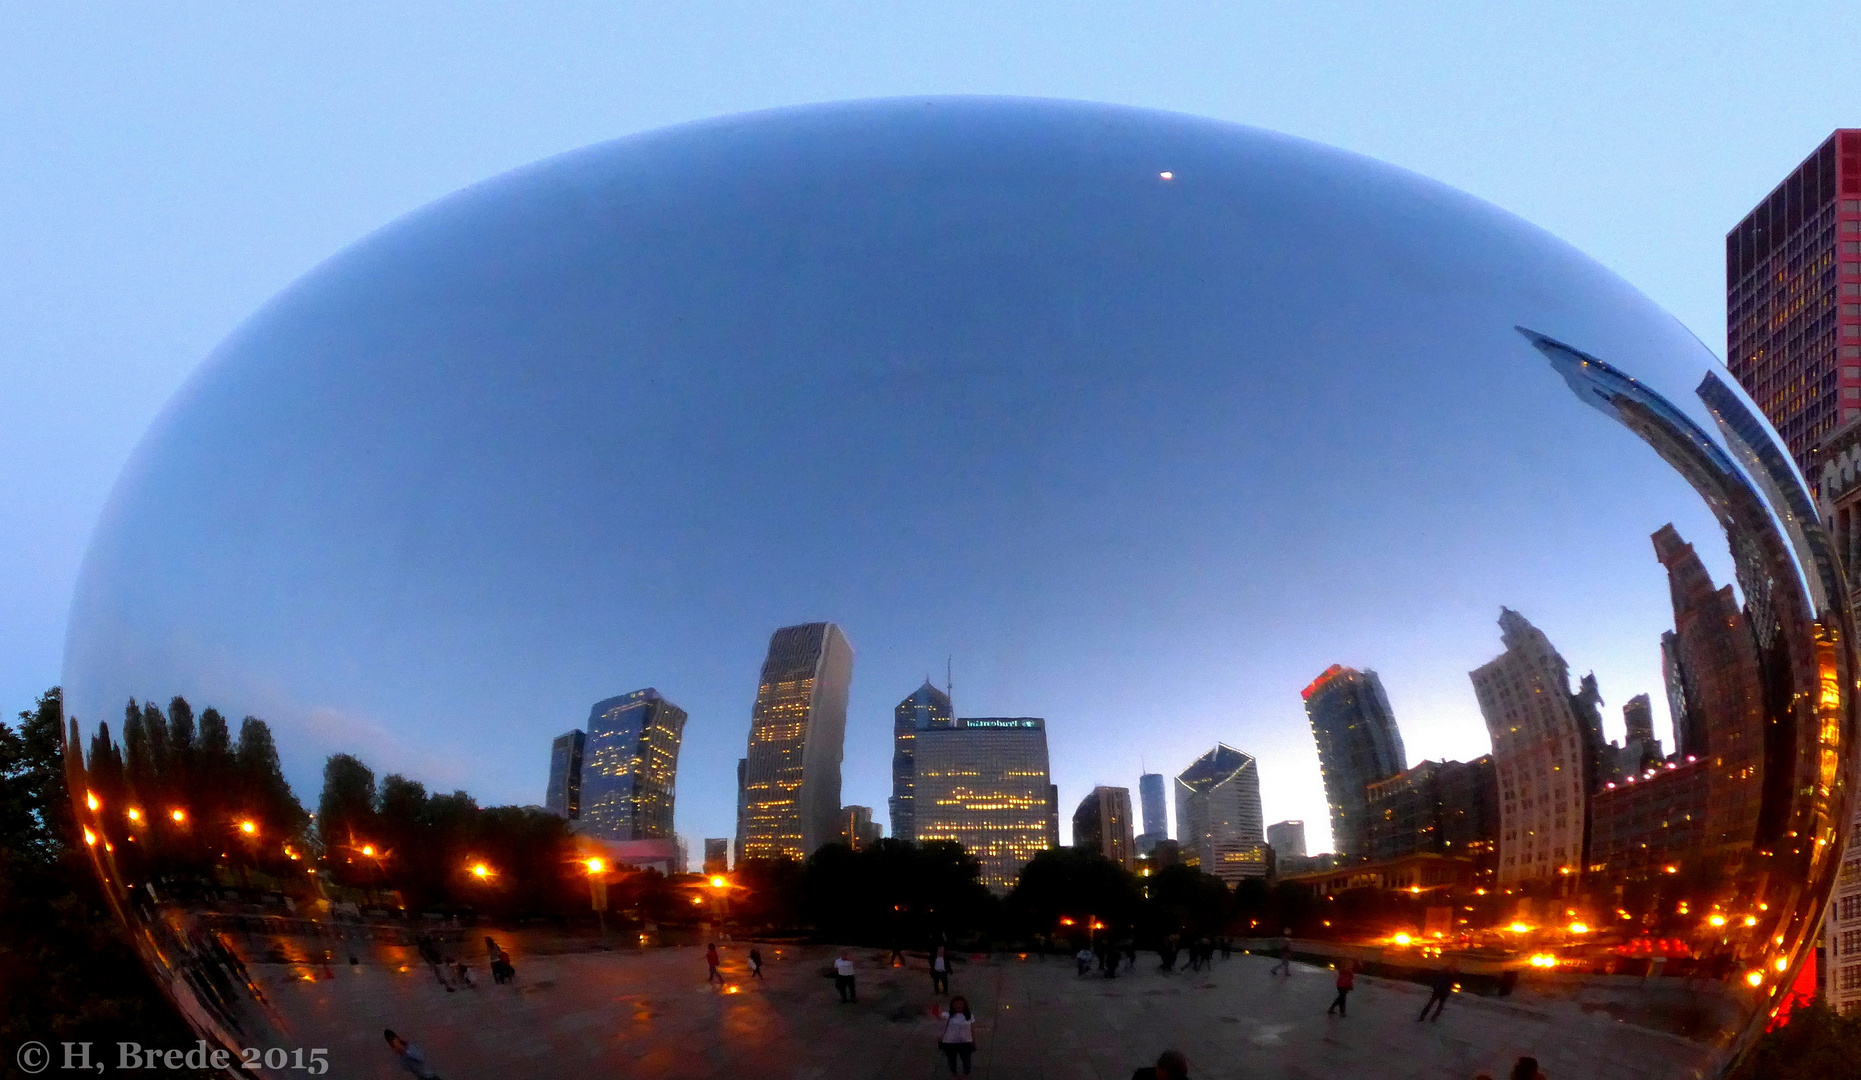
(1218,819)
(857,829)
(1547,745)
(563,797)
(630,767)
(1839,502)
(1287,839)
(797,734)
(1640,750)
(1358,745)
(1156,813)
(1102,825)
(717,855)
(1437,807)
(925,708)
(984,782)
(743,811)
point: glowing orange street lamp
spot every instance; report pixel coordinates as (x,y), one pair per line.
(718,882)
(481,871)
(249,827)
(90,837)
(91,800)
(596,866)
(135,815)
(368,850)
(177,815)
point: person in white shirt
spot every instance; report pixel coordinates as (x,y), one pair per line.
(958,1041)
(843,978)
(940,972)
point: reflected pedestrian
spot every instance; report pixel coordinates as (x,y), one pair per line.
(411,1059)
(1527,1069)
(1085,960)
(1444,985)
(940,972)
(1171,1065)
(1347,981)
(1284,967)
(756,963)
(710,961)
(958,1041)
(843,978)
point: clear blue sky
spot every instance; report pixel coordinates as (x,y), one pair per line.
(161,175)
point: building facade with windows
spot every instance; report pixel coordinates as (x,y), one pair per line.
(1358,745)
(563,797)
(1287,839)
(1102,824)
(1156,812)
(925,708)
(630,767)
(1218,818)
(984,782)
(797,735)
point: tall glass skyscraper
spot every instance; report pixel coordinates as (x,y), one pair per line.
(984,783)
(630,767)
(927,707)
(797,733)
(564,795)
(1358,744)
(1156,813)
(1102,823)
(1218,819)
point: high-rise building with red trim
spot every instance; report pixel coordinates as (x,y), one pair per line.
(1793,299)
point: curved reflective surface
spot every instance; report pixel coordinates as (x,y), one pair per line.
(1151,435)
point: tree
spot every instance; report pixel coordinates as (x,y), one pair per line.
(1184,900)
(346,820)
(1073,884)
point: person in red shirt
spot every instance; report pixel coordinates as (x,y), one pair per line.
(1347,981)
(710,960)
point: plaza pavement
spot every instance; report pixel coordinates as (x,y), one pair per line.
(650,1014)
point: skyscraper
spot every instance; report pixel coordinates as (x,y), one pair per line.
(1218,818)
(927,707)
(1287,839)
(857,829)
(797,732)
(983,782)
(1358,744)
(1719,666)
(716,855)
(1102,824)
(564,795)
(630,767)
(1793,299)
(1156,814)
(1537,727)
(743,809)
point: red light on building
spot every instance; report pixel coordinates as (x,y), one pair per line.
(1326,676)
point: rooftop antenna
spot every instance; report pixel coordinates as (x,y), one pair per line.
(949,683)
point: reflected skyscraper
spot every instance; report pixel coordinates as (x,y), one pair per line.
(984,783)
(564,795)
(927,707)
(743,809)
(1218,818)
(630,767)
(1358,745)
(1102,824)
(797,733)
(1287,839)
(1156,812)
(1539,739)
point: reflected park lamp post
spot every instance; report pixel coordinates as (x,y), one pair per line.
(597,890)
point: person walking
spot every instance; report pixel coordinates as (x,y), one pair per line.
(710,961)
(756,963)
(1171,1065)
(411,1059)
(1527,1069)
(1284,967)
(1444,985)
(1085,960)
(843,978)
(940,972)
(1347,981)
(958,1041)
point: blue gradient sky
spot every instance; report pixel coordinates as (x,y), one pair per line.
(161,176)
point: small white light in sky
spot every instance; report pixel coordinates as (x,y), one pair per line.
(1166,175)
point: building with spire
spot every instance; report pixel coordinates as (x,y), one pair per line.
(630,767)
(1358,745)
(797,736)
(925,708)
(1218,818)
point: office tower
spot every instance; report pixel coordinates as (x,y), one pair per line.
(926,707)
(1539,750)
(1287,839)
(1102,824)
(1358,744)
(717,855)
(797,730)
(1793,299)
(1218,818)
(564,795)
(857,829)
(743,809)
(1719,667)
(1156,816)
(630,767)
(1436,807)
(983,782)
(1640,750)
